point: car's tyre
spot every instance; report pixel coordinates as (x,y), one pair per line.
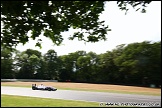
(33,89)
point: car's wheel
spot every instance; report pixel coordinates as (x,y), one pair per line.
(49,89)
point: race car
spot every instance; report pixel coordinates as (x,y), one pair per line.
(42,87)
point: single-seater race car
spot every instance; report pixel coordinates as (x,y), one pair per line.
(42,87)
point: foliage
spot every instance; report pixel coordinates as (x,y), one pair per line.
(135,4)
(53,17)
(28,62)
(137,61)
(52,64)
(132,64)
(6,64)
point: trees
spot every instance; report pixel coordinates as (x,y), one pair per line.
(133,64)
(69,68)
(6,64)
(108,71)
(53,17)
(139,63)
(66,67)
(51,60)
(150,63)
(29,63)
(83,62)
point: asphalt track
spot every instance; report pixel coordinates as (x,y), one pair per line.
(101,97)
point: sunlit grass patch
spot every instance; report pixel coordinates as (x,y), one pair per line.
(24,101)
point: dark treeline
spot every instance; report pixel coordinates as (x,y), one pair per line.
(133,64)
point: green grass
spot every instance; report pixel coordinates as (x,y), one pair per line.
(24,101)
(110,91)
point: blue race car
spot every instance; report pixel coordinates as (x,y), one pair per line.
(42,87)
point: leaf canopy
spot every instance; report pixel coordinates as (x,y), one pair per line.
(53,17)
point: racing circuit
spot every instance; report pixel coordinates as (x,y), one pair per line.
(82,95)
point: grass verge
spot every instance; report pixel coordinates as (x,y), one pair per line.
(24,101)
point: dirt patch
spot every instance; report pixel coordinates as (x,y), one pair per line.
(86,86)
